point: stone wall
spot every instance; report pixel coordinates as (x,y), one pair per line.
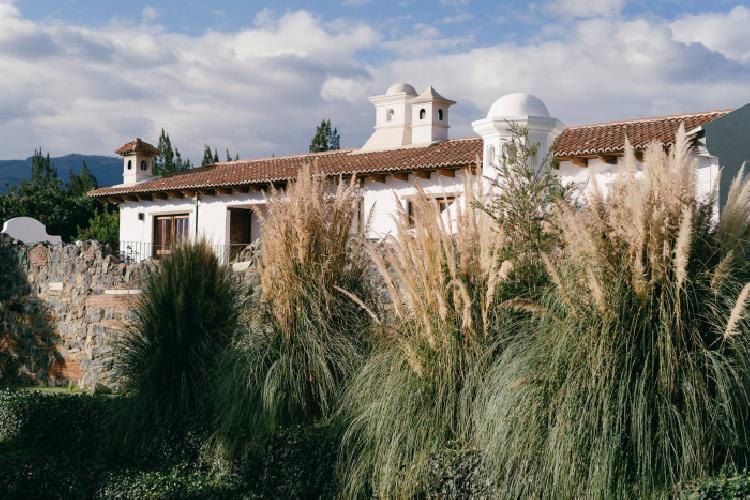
(61,308)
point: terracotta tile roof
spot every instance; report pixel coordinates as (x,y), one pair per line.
(610,137)
(447,154)
(137,146)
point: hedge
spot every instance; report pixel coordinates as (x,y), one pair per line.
(67,423)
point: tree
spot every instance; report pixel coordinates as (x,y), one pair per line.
(208,156)
(80,184)
(216,156)
(43,173)
(169,159)
(44,197)
(104,227)
(326,138)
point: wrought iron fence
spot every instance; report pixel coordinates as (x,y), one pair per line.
(137,251)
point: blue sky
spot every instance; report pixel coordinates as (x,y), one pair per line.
(86,75)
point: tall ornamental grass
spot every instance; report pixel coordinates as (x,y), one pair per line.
(405,404)
(633,375)
(306,336)
(185,316)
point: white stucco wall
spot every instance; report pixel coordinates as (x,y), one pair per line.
(604,174)
(380,199)
(212,219)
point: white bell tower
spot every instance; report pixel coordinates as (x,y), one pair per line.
(522,110)
(392,118)
(429,117)
(138,161)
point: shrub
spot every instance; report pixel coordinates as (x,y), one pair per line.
(300,462)
(39,473)
(306,339)
(635,375)
(70,424)
(717,488)
(453,473)
(187,314)
(406,402)
(176,482)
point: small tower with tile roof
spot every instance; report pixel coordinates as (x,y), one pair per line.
(138,161)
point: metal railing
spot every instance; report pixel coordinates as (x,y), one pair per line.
(137,251)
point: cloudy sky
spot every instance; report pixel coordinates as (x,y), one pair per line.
(86,75)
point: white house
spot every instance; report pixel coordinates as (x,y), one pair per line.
(409,146)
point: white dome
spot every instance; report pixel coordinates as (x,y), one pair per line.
(519,104)
(398,88)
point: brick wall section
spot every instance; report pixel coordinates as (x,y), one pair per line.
(61,309)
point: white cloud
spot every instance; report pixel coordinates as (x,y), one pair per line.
(263,89)
(724,33)
(344,89)
(586,8)
(149,13)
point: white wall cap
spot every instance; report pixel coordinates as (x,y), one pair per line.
(29,230)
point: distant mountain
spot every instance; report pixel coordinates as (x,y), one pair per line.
(106,169)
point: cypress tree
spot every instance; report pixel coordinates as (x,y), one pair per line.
(80,184)
(326,138)
(208,156)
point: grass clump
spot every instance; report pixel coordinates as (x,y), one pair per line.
(187,313)
(405,404)
(635,376)
(306,336)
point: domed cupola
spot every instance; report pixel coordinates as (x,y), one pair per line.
(521,110)
(518,104)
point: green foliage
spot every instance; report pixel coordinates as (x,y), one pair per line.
(80,422)
(410,398)
(208,156)
(43,173)
(104,226)
(635,375)
(62,209)
(452,473)
(187,314)
(169,160)
(82,183)
(304,341)
(177,482)
(525,190)
(326,138)
(300,462)
(717,488)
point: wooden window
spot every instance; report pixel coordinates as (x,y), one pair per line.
(168,231)
(443,202)
(240,234)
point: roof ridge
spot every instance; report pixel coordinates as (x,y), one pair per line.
(287,157)
(342,151)
(649,119)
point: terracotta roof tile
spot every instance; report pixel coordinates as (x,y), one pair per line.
(452,153)
(585,140)
(137,146)
(610,137)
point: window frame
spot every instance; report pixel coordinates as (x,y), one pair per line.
(161,249)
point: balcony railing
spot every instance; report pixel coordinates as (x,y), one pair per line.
(137,251)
